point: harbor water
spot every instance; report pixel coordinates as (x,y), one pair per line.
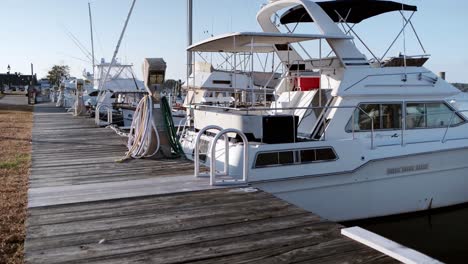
(441,234)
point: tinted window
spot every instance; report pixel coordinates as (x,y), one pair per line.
(266,159)
(384,116)
(391,116)
(308,155)
(286,157)
(439,115)
(430,115)
(271,159)
(415,115)
(368,112)
(325,154)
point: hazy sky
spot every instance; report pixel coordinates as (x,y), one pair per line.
(38,31)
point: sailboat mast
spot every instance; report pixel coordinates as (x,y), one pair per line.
(92,38)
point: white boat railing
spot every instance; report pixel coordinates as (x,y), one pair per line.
(245,166)
(444,138)
(322,121)
(97,116)
(182,127)
(196,154)
(372,130)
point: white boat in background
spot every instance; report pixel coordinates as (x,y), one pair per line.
(120,78)
(120,81)
(345,136)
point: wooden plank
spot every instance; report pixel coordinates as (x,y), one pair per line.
(388,247)
(47,196)
(210,225)
(120,221)
(180,239)
(163,202)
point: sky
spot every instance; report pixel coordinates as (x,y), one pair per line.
(39,32)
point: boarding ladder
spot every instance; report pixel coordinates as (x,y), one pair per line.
(221,178)
(97,117)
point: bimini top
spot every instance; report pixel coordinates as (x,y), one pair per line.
(257,42)
(353,11)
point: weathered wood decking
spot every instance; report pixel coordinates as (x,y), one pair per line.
(74,161)
(85,208)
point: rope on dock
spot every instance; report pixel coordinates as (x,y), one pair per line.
(140,137)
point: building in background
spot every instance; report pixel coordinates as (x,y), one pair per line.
(16,81)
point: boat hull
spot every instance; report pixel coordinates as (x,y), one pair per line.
(380,188)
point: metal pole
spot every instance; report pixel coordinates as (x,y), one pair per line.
(252,70)
(320,73)
(92,38)
(189,35)
(31,88)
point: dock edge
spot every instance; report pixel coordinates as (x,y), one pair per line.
(386,246)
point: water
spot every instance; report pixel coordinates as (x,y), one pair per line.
(441,234)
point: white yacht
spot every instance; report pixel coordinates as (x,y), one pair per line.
(346,136)
(112,80)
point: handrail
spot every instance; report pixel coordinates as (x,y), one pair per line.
(196,154)
(372,131)
(180,125)
(450,124)
(245,167)
(372,125)
(97,118)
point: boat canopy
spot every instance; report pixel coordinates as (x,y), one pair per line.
(352,11)
(257,42)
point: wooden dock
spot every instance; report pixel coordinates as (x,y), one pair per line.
(86,208)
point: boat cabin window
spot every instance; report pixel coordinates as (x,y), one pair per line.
(268,159)
(300,156)
(385,117)
(430,115)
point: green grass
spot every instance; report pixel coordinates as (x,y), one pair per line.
(19,160)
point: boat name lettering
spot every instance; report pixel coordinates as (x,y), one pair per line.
(406,169)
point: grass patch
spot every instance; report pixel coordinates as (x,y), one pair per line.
(15,161)
(19,160)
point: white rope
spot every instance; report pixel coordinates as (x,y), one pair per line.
(140,136)
(117,130)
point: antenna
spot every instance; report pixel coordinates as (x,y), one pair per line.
(404,41)
(189,35)
(92,38)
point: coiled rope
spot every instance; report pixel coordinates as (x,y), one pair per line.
(140,137)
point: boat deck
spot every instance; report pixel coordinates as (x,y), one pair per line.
(86,208)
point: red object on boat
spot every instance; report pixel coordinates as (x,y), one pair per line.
(308,83)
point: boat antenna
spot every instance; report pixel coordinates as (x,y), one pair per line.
(118,44)
(92,38)
(189,35)
(404,40)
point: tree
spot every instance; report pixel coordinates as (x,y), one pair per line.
(56,72)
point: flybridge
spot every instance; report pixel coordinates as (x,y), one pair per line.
(329,14)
